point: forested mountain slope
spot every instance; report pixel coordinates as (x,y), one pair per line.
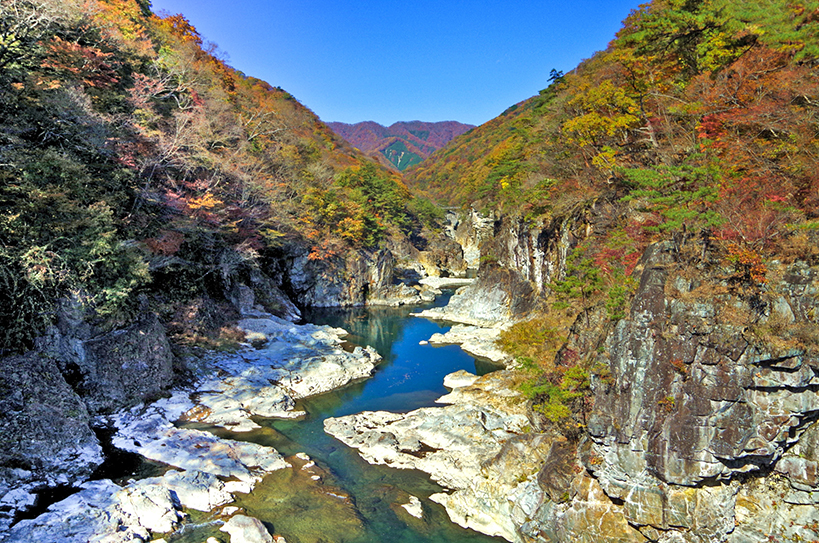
(652,227)
(134,160)
(697,124)
(703,111)
(403,144)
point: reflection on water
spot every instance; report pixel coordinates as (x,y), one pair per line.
(342,498)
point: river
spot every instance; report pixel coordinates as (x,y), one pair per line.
(343,499)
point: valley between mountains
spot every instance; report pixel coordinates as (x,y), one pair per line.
(627,262)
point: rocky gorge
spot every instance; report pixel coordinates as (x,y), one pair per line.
(700,427)
(85,397)
(703,415)
(295,362)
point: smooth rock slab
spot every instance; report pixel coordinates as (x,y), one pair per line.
(477,341)
(202,451)
(460,379)
(446,282)
(414,507)
(296,361)
(244,529)
(193,489)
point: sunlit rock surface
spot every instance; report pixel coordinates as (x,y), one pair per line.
(705,429)
(293,362)
(469,230)
(464,447)
(244,529)
(477,341)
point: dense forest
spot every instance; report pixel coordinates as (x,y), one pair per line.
(698,122)
(134,161)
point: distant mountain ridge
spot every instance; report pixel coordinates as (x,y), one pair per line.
(402,144)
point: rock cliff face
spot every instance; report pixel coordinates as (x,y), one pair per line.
(705,429)
(387,276)
(469,230)
(516,260)
(49,396)
(710,387)
(45,437)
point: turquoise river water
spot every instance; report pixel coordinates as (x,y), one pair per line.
(353,501)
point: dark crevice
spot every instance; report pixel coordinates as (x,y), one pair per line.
(795,390)
(422,451)
(120,465)
(45,498)
(617,501)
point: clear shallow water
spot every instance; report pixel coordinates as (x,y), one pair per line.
(353,501)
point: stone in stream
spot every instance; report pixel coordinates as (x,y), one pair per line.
(414,507)
(193,489)
(244,529)
(478,341)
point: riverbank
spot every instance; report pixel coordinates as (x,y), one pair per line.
(290,363)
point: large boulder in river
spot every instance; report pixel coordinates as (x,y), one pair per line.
(244,529)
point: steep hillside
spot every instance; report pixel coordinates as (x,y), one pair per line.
(698,120)
(654,232)
(134,162)
(403,144)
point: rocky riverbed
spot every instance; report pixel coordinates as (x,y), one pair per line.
(289,363)
(478,446)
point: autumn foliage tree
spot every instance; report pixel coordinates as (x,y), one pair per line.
(697,124)
(135,164)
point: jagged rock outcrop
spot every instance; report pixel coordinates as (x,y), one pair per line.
(517,259)
(499,296)
(292,362)
(45,436)
(360,277)
(49,396)
(45,425)
(707,384)
(123,367)
(109,370)
(470,229)
(387,276)
(705,429)
(431,253)
(262,296)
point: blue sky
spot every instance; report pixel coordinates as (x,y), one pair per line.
(390,60)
